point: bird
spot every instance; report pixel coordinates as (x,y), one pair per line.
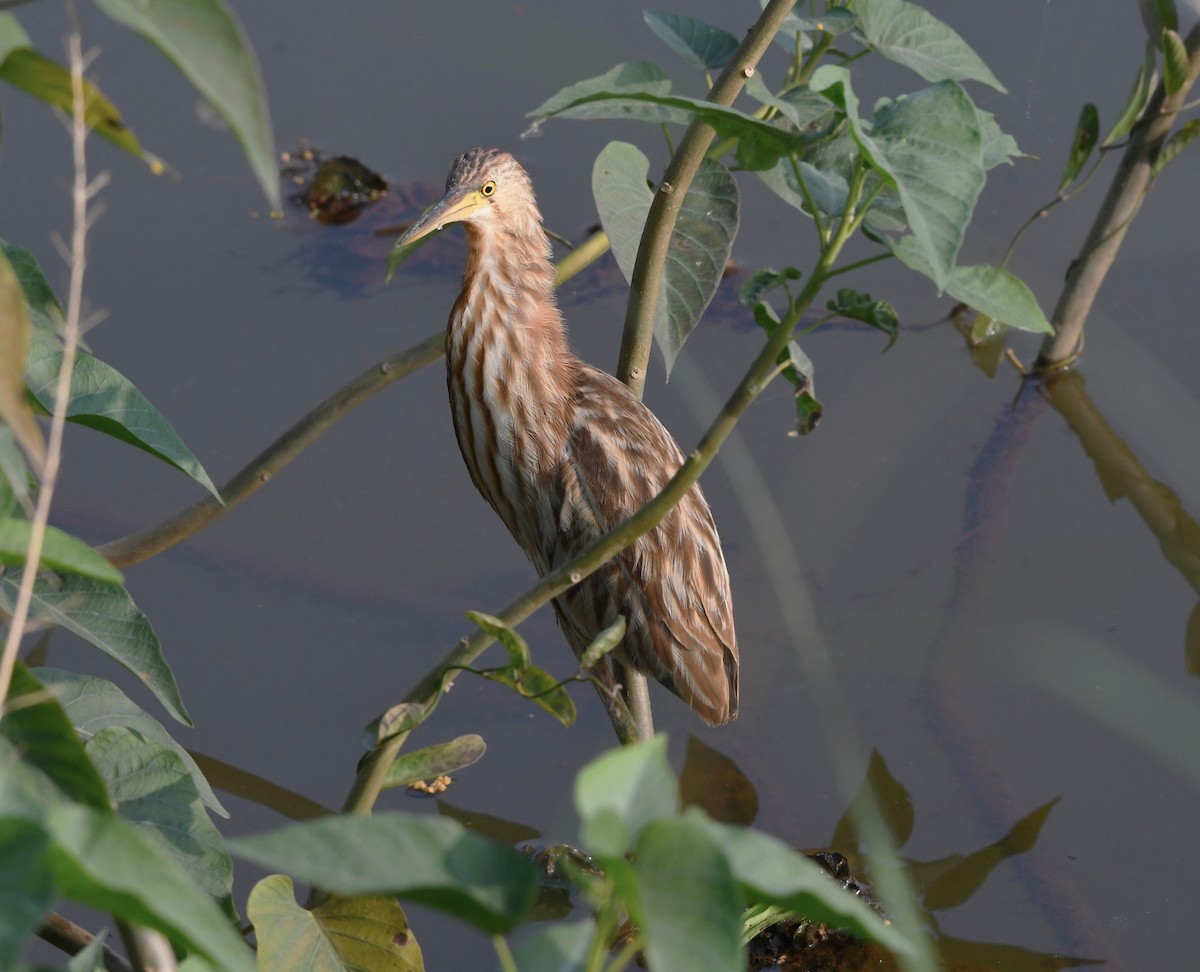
(563,451)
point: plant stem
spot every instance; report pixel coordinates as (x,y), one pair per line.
(81,195)
(71,938)
(504,954)
(648,271)
(1130,184)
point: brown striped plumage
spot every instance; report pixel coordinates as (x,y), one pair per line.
(563,451)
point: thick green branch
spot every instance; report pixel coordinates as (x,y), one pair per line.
(1125,196)
(648,271)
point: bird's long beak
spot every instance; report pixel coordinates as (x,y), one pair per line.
(455,206)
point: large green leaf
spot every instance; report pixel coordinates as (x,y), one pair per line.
(928,146)
(206,42)
(687,904)
(992,290)
(105,615)
(700,242)
(639,91)
(152,788)
(620,792)
(26,885)
(434,861)
(341,935)
(60,551)
(14,347)
(910,35)
(703,46)
(102,861)
(104,399)
(36,725)
(93,704)
(633,77)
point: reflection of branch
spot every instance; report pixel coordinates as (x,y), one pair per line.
(1130,184)
(249,786)
(140,546)
(1123,475)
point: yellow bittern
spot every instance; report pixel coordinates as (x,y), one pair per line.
(564,452)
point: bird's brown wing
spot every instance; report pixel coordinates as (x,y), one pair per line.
(671,585)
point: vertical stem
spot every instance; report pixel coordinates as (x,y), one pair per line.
(1129,187)
(81,194)
(651,260)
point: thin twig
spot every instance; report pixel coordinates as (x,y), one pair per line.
(81,196)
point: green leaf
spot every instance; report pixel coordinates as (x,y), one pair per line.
(762,281)
(104,399)
(997,145)
(539,687)
(704,47)
(427,859)
(770,872)
(60,551)
(760,143)
(620,792)
(103,862)
(1179,140)
(340,935)
(204,39)
(34,74)
(928,145)
(559,947)
(434,761)
(519,656)
(1087,134)
(802,106)
(603,643)
(93,704)
(26,886)
(36,725)
(910,35)
(860,307)
(1139,95)
(690,909)
(153,788)
(700,242)
(14,348)
(45,312)
(1176,63)
(401,717)
(104,615)
(634,77)
(992,290)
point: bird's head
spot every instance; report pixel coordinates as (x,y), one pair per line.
(485,187)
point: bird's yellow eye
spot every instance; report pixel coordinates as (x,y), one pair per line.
(488,189)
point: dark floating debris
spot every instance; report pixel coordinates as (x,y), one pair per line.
(338,188)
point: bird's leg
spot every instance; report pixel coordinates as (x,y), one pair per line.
(637,699)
